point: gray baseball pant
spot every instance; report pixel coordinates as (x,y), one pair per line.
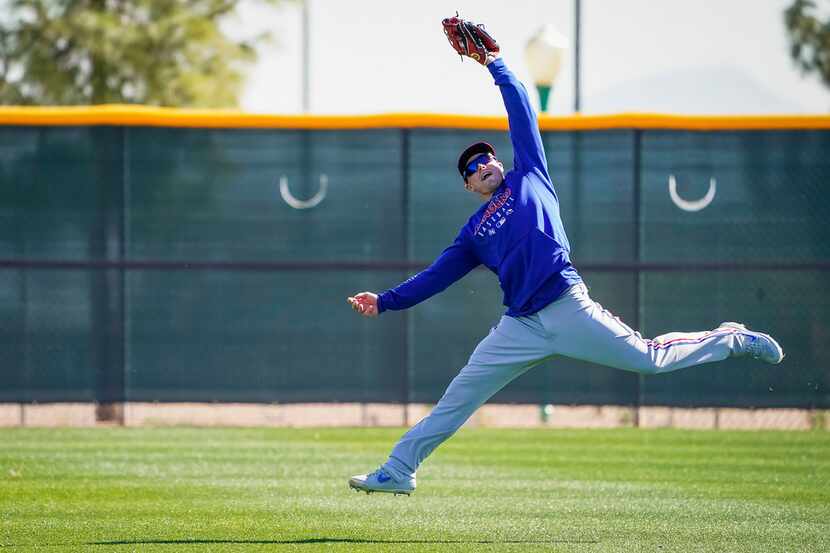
(573,326)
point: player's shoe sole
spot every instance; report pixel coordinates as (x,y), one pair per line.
(764,346)
(358,488)
(371,483)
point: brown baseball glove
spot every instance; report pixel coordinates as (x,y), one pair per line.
(469,39)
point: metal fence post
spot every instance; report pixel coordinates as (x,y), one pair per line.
(123,257)
(406,345)
(637,254)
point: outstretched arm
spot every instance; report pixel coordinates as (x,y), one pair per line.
(473,41)
(453,263)
(528,151)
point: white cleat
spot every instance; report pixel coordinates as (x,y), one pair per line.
(381,481)
(757,345)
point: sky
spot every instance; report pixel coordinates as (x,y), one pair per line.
(671,56)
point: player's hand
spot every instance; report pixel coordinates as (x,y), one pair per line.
(365,303)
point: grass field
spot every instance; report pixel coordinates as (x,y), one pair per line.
(485,490)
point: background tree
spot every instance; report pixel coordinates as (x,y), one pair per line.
(809,38)
(156,52)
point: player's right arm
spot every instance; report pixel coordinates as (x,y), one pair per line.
(453,263)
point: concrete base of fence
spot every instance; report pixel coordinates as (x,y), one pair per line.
(11,414)
(391,415)
(47,414)
(245,414)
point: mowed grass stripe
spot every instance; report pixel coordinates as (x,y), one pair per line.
(165,489)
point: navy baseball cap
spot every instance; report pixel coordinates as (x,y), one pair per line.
(472,151)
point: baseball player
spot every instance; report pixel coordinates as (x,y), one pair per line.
(517,233)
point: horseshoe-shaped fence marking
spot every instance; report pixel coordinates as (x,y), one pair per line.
(692,205)
(296,203)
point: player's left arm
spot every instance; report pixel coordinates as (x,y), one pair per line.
(528,150)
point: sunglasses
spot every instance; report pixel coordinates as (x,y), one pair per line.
(472,167)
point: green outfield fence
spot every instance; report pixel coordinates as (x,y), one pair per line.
(150,255)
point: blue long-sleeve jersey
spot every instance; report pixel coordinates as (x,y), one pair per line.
(517,234)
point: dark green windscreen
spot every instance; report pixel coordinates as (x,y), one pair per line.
(159,264)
